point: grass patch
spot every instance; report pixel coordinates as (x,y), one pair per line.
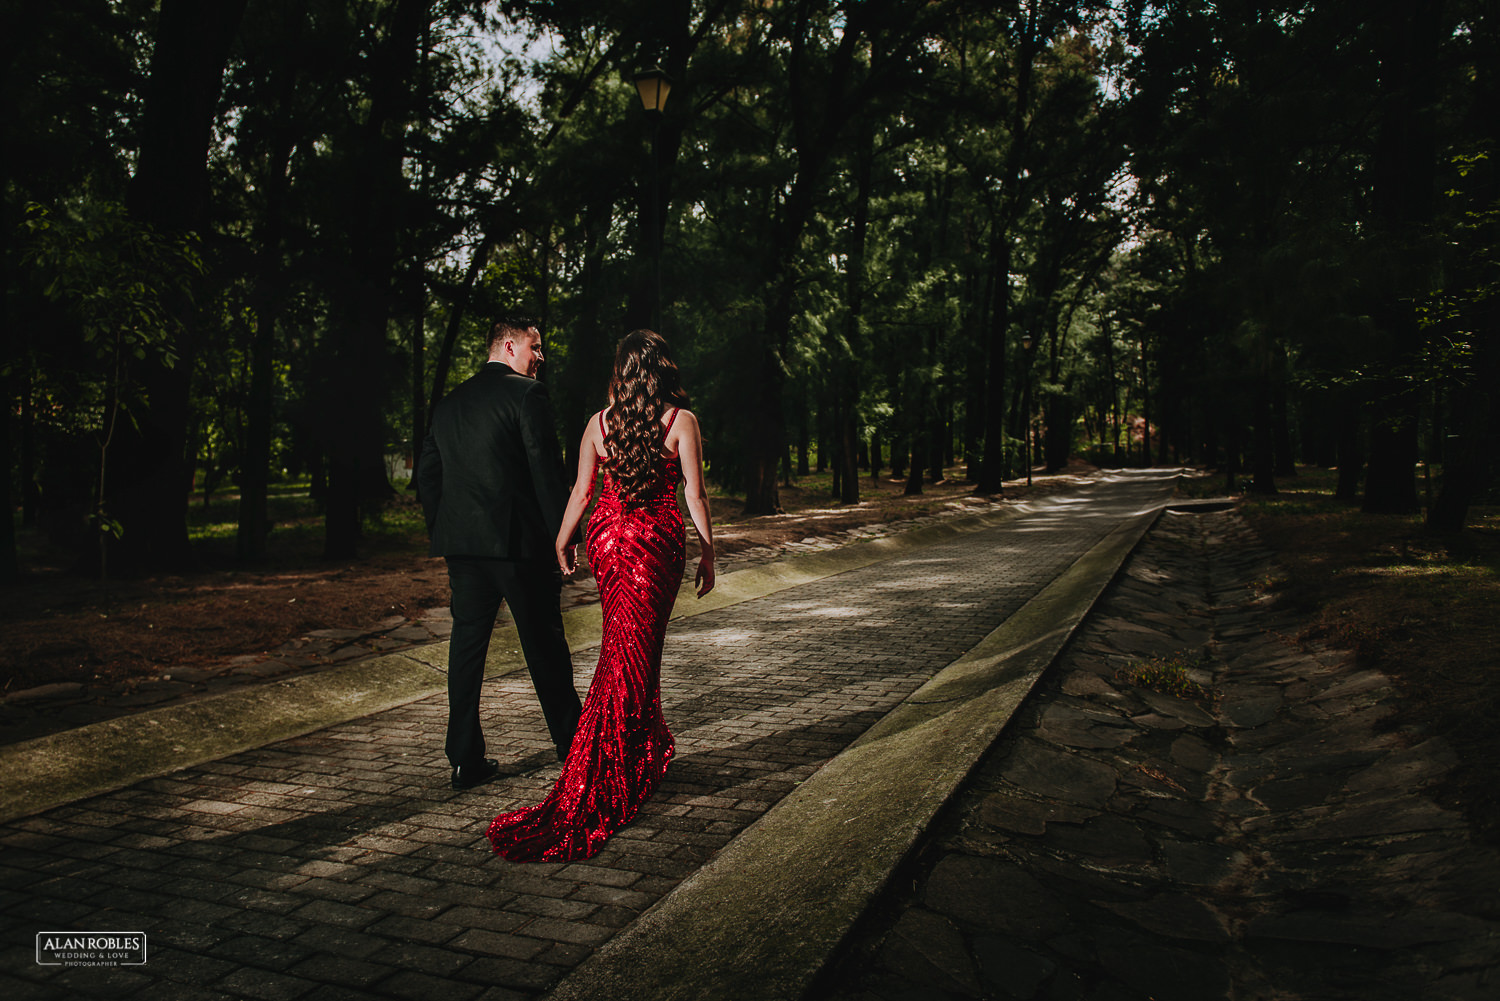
(1170,675)
(1418,606)
(297,520)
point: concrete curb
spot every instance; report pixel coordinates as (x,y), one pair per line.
(765,916)
(65,767)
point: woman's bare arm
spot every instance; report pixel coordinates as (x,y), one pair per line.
(578,499)
(689,448)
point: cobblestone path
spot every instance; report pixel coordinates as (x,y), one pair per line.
(340,865)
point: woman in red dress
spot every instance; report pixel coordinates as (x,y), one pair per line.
(647,442)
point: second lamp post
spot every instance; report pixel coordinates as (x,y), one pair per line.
(653,85)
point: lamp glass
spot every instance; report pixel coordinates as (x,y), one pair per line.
(653,87)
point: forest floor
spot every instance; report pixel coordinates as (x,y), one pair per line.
(1417,606)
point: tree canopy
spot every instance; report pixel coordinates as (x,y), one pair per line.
(261,238)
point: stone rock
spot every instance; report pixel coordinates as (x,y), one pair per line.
(1168,705)
(1358,683)
(1049,772)
(1372,820)
(1250,706)
(996,895)
(1085,735)
(1382,931)
(1156,721)
(1174,915)
(1297,792)
(1084,683)
(56,690)
(1104,837)
(1197,864)
(1006,970)
(1166,974)
(926,948)
(1410,768)
(1028,816)
(1185,817)
(1193,752)
(337,634)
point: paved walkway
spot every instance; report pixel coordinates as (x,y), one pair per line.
(61,706)
(825,709)
(339,864)
(1265,838)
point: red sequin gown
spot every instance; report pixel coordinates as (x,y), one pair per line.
(622,746)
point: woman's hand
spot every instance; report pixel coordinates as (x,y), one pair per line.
(567,560)
(704,578)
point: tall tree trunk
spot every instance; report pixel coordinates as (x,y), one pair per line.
(1232,455)
(1468,460)
(30,492)
(1057,440)
(358,370)
(1404,168)
(1351,462)
(149,471)
(9,565)
(1262,453)
(1281,424)
(255,466)
(816,126)
(975,398)
(1146,457)
(251,537)
(418,399)
(767,426)
(992,466)
(847,370)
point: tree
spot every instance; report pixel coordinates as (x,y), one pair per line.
(169,192)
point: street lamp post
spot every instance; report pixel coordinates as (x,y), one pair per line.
(653,86)
(1026,353)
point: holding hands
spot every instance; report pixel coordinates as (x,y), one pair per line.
(567,559)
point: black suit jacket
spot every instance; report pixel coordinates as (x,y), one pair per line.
(491,474)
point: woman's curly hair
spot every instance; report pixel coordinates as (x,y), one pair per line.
(645,385)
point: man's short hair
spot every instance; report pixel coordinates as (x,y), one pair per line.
(510,327)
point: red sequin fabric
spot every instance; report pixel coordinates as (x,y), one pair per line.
(622,746)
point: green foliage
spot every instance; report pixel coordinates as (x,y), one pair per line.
(1172,202)
(112,275)
(1169,674)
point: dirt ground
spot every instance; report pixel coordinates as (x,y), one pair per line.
(1415,605)
(56,626)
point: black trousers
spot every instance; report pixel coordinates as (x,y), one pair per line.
(531,588)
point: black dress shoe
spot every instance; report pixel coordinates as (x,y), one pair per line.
(469,776)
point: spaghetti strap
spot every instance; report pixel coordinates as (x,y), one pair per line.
(675,412)
(602,432)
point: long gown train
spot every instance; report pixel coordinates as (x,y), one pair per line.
(622,746)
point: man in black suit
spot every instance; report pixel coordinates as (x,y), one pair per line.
(493,492)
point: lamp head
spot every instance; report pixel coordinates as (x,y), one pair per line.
(653,85)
